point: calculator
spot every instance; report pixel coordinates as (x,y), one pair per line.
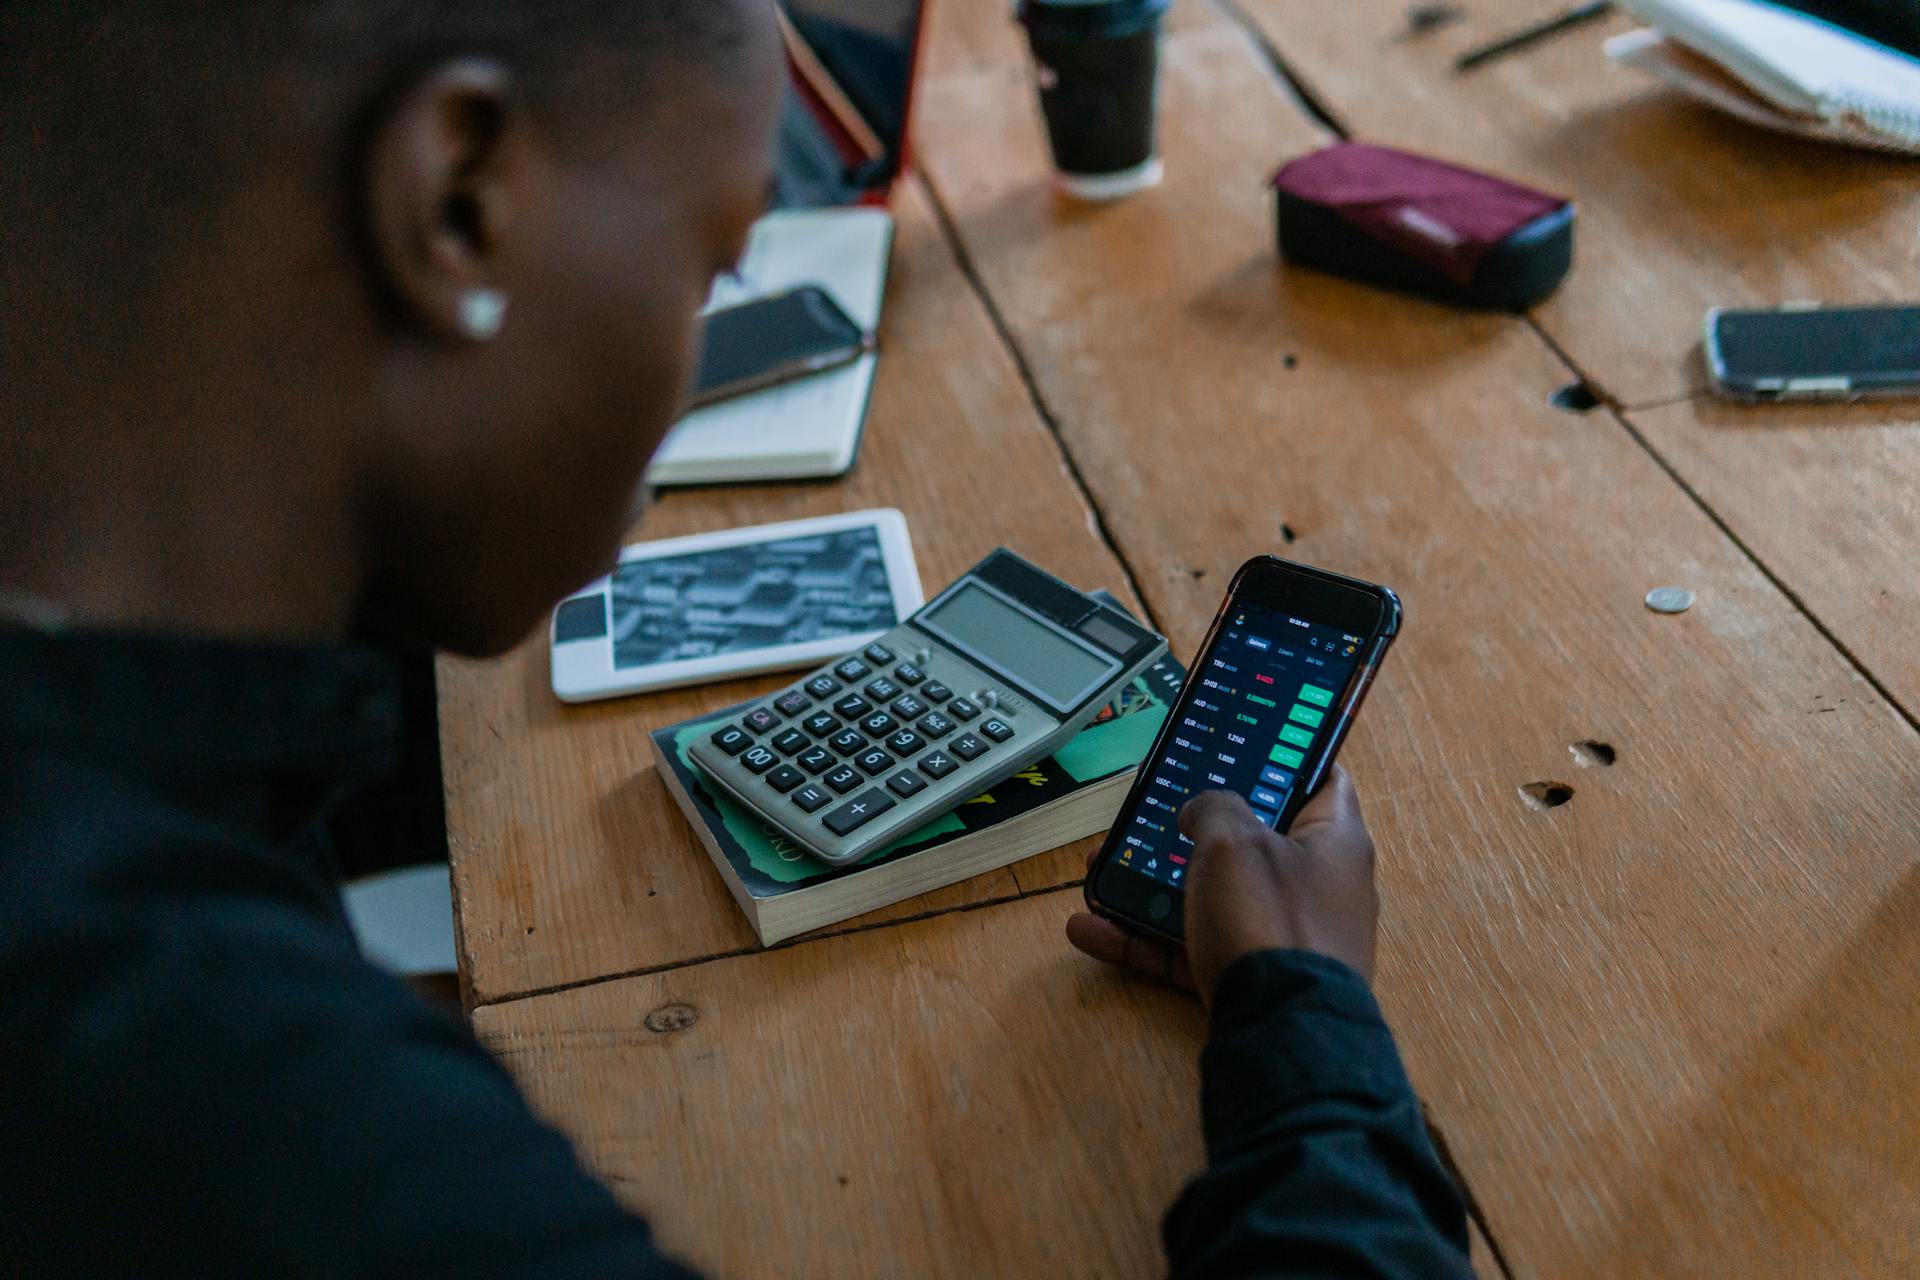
(1002,668)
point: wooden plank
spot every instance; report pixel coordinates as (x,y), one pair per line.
(1828,497)
(1576,986)
(962,1096)
(1680,208)
(570,860)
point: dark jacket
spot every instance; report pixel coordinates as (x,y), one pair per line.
(200,1075)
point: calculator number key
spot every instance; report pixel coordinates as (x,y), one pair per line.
(852,707)
(884,690)
(811,797)
(822,686)
(905,743)
(875,762)
(792,702)
(859,811)
(785,778)
(759,759)
(997,729)
(853,669)
(962,709)
(791,743)
(820,724)
(934,691)
(878,725)
(935,725)
(843,779)
(938,765)
(848,742)
(733,740)
(910,708)
(907,673)
(817,760)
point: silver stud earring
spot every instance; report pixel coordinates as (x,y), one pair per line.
(482,313)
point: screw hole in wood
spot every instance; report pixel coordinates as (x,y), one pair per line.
(1546,795)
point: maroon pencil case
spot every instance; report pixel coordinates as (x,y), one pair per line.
(1423,226)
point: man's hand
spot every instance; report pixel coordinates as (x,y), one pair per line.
(1249,888)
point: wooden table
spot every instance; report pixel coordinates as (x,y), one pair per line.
(1669,1028)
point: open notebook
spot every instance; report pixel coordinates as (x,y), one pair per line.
(1779,68)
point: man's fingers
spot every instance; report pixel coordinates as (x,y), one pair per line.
(1335,807)
(1108,943)
(1217,813)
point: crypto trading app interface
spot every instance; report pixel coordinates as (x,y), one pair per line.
(1255,712)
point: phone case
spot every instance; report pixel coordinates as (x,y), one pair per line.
(1423,226)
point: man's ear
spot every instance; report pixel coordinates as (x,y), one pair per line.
(444,169)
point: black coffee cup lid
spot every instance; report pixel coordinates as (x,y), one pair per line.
(1095,18)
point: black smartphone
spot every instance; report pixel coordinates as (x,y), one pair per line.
(1279,678)
(772,340)
(1814,353)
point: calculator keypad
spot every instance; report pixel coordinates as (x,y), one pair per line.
(868,736)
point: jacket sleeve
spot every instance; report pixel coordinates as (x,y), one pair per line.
(1318,1160)
(223,1079)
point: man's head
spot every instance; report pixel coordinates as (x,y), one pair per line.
(416,277)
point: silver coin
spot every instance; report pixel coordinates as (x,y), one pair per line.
(1669,599)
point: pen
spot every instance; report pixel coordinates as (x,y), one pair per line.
(1539,31)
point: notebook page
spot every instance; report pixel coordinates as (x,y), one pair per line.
(1803,65)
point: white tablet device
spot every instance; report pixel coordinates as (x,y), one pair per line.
(687,610)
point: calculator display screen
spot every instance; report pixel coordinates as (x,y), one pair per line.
(1024,649)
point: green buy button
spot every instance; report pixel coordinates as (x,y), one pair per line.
(1286,756)
(1296,735)
(1306,716)
(1316,695)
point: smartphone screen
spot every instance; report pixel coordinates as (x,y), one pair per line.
(1265,705)
(1864,347)
(770,340)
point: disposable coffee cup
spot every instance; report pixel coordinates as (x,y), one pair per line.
(1098,65)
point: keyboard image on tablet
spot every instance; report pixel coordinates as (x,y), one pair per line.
(1001,668)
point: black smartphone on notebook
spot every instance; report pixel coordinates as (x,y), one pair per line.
(1267,702)
(770,341)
